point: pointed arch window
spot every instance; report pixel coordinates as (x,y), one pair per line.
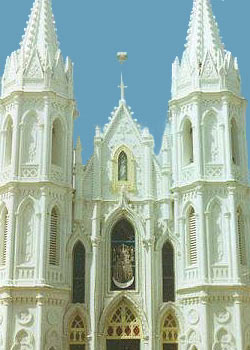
(123,256)
(4,237)
(78,273)
(192,237)
(124,323)
(188,152)
(77,334)
(122,167)
(168,273)
(8,143)
(241,237)
(170,332)
(54,250)
(57,143)
(235,142)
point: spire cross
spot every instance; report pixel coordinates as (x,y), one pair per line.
(122,87)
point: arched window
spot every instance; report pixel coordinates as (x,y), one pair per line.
(122,167)
(3,237)
(57,143)
(54,251)
(124,324)
(123,256)
(8,143)
(188,152)
(77,334)
(241,237)
(235,142)
(170,332)
(168,273)
(212,147)
(192,237)
(78,273)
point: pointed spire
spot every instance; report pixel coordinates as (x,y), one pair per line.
(40,33)
(122,87)
(203,32)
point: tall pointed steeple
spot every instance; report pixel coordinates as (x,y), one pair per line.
(40,33)
(205,65)
(203,33)
(38,65)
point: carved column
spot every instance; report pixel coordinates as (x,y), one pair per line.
(47,140)
(10,260)
(228,141)
(238,321)
(234,235)
(40,326)
(198,139)
(206,320)
(43,237)
(6,330)
(202,242)
(16,138)
(229,240)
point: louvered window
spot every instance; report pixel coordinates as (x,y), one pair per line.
(4,235)
(192,238)
(241,238)
(54,238)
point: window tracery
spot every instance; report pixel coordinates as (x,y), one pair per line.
(124,323)
(170,332)
(77,334)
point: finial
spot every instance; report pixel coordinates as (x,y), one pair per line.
(122,87)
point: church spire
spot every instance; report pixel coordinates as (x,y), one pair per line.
(38,65)
(40,33)
(122,87)
(205,64)
(203,33)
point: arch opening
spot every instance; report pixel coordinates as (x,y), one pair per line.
(78,292)
(77,334)
(188,151)
(170,332)
(168,273)
(123,262)
(57,143)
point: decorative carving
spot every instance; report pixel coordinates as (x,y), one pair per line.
(222,315)
(193,317)
(24,340)
(27,239)
(53,317)
(224,340)
(25,318)
(216,235)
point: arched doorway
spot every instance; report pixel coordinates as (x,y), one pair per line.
(123,329)
(170,332)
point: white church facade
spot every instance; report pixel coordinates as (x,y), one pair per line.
(132,251)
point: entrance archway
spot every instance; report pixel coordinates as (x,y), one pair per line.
(124,329)
(170,332)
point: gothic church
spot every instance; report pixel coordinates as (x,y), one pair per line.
(132,251)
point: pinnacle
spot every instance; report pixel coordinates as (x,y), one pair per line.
(203,33)
(40,33)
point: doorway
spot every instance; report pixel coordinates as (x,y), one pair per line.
(170,346)
(123,344)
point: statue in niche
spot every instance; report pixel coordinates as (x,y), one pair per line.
(218,241)
(123,167)
(31,142)
(212,141)
(28,228)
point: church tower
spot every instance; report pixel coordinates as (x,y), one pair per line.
(36,120)
(210,187)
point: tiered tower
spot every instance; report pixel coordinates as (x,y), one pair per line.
(37,114)
(210,187)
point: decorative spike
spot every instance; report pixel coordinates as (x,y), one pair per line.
(40,33)
(203,34)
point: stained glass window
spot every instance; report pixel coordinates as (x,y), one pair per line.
(170,332)
(78,273)
(77,334)
(168,272)
(123,256)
